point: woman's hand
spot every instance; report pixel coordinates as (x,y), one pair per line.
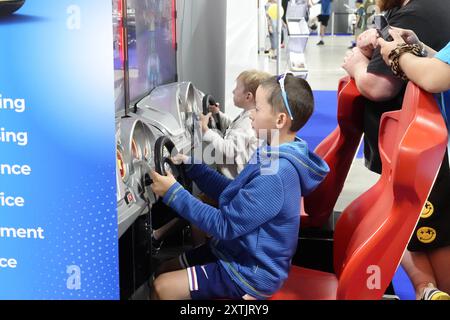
(407,35)
(386,47)
(353,61)
(367,42)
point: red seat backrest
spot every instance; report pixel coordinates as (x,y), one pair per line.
(338,149)
(374,230)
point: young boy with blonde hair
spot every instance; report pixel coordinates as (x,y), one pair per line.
(239,141)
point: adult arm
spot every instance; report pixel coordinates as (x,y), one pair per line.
(373,86)
(432,75)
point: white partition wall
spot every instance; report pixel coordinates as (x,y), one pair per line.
(201,34)
(242,45)
(217,39)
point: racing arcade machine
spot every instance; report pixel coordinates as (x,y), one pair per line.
(155,118)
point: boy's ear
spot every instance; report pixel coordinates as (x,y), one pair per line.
(282,120)
(250,96)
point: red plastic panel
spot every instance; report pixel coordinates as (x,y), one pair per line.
(307,284)
(374,230)
(338,149)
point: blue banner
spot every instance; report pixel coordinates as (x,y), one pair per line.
(58,215)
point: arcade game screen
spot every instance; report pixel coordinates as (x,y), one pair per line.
(151,45)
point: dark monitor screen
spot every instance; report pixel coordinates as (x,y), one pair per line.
(151,45)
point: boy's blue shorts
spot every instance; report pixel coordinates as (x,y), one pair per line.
(207,278)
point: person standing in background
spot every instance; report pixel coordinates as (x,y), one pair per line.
(366,10)
(323,19)
(284,4)
(360,21)
(371,9)
(272,21)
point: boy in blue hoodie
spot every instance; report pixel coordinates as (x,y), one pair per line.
(255,229)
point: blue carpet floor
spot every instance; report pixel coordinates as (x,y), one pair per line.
(403,286)
(323,120)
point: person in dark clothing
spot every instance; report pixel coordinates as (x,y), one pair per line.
(284,4)
(324,17)
(427,264)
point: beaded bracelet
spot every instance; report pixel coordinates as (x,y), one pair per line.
(395,55)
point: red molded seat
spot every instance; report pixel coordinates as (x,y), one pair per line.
(308,284)
(374,230)
(338,149)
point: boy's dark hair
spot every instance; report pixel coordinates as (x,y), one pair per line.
(300,98)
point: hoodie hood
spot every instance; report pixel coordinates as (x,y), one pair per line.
(311,169)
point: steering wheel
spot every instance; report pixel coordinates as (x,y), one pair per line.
(9,7)
(208,100)
(163,164)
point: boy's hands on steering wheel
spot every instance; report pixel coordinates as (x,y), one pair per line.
(204,120)
(214,109)
(161,184)
(180,159)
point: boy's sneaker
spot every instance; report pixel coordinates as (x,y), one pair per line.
(320,43)
(431,293)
